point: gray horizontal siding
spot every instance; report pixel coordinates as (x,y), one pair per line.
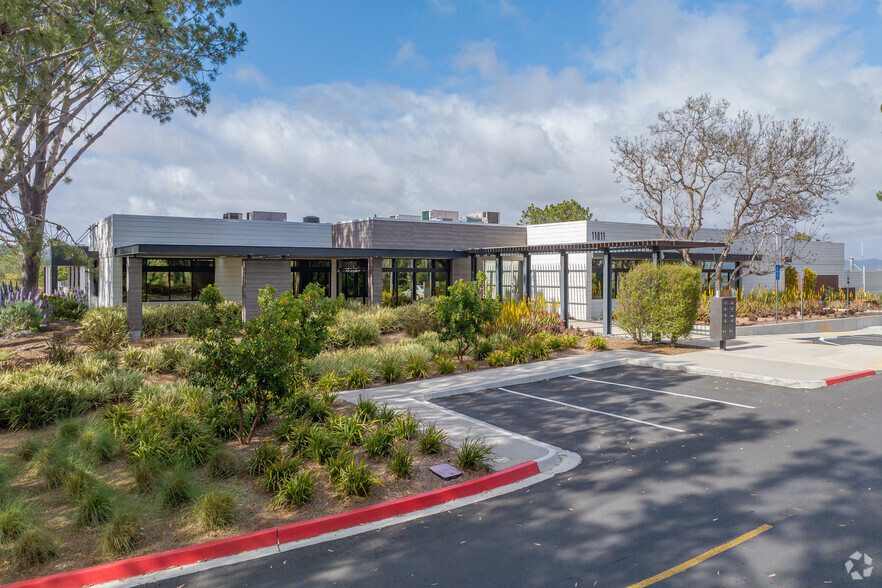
(257,274)
(425,235)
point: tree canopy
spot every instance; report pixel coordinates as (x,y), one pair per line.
(568,210)
(71,69)
(763,179)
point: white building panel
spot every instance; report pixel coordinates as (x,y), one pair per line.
(228,277)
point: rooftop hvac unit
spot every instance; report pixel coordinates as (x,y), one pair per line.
(486,216)
(441,215)
(261,215)
(233,215)
(311,219)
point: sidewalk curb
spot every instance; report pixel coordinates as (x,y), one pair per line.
(277,536)
(715,373)
(853,376)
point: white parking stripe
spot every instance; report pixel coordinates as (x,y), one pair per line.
(662,392)
(609,414)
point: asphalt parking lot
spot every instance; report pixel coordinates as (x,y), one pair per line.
(674,466)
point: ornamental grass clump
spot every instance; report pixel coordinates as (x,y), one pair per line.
(367,408)
(356,479)
(177,490)
(432,439)
(147,473)
(277,472)
(405,426)
(121,385)
(264,455)
(416,367)
(104,328)
(95,506)
(323,444)
(222,464)
(391,371)
(33,547)
(30,447)
(122,534)
(444,364)
(597,342)
(295,491)
(14,519)
(351,429)
(498,358)
(216,510)
(98,442)
(401,461)
(473,453)
(359,378)
(379,443)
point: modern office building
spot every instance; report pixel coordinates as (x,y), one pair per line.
(161,260)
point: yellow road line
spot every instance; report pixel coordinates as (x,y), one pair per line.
(700,558)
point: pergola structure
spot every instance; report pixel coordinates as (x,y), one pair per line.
(651,248)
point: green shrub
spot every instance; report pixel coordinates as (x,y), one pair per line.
(379,443)
(359,332)
(264,455)
(419,318)
(337,462)
(465,312)
(121,385)
(188,440)
(216,509)
(222,464)
(498,358)
(470,365)
(78,481)
(472,453)
(296,490)
(319,411)
(177,490)
(391,371)
(350,428)
(659,301)
(133,357)
(359,378)
(41,403)
(61,352)
(104,328)
(367,408)
(297,432)
(330,382)
(538,348)
(323,444)
(69,429)
(386,413)
(416,367)
(356,479)
(432,439)
(277,472)
(518,354)
(444,364)
(162,320)
(597,342)
(89,367)
(122,534)
(66,308)
(52,466)
(33,546)
(19,316)
(568,340)
(401,461)
(118,417)
(94,507)
(13,520)
(482,349)
(405,426)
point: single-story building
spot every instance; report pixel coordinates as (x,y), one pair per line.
(162,260)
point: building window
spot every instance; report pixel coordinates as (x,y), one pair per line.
(173,279)
(619,268)
(407,280)
(310,271)
(352,279)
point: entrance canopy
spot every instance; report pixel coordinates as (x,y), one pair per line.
(651,247)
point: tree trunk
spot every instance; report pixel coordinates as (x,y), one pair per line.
(33,206)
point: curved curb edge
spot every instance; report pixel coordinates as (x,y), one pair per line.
(275,536)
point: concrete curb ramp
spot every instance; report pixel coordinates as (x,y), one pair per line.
(277,536)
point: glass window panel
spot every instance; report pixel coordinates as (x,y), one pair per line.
(596,279)
(423,285)
(155,286)
(403,286)
(201,280)
(439,284)
(403,263)
(387,262)
(422,263)
(180,285)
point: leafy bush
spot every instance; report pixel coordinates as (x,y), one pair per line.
(391,371)
(367,408)
(24,315)
(264,455)
(416,367)
(472,453)
(146,473)
(216,509)
(105,328)
(222,464)
(359,378)
(661,301)
(401,461)
(464,313)
(67,307)
(177,490)
(597,342)
(518,354)
(296,490)
(498,358)
(95,506)
(356,479)
(444,364)
(33,546)
(405,426)
(379,443)
(418,318)
(122,533)
(431,439)
(277,472)
(323,444)
(538,348)
(121,385)
(350,428)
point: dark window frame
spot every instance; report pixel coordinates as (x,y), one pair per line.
(174,266)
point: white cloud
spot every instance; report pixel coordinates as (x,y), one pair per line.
(527,135)
(249,74)
(407,55)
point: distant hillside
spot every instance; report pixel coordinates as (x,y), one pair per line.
(871,263)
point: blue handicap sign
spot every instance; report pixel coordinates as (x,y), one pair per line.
(777,272)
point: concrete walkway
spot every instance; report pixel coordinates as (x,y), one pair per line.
(795,361)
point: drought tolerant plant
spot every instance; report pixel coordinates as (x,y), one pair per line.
(444,364)
(264,455)
(222,464)
(258,362)
(419,318)
(470,365)
(416,366)
(121,385)
(95,506)
(482,349)
(13,519)
(518,354)
(69,429)
(401,461)
(386,413)
(70,306)
(431,439)
(537,347)
(51,466)
(60,351)
(146,473)
(350,428)
(379,443)
(122,533)
(104,328)
(359,378)
(367,408)
(356,479)
(323,444)
(23,315)
(78,481)
(597,342)
(330,382)
(659,301)
(277,472)
(464,313)
(29,448)
(296,490)
(391,371)
(498,358)
(33,546)
(216,509)
(337,462)
(177,489)
(133,357)
(405,426)
(472,453)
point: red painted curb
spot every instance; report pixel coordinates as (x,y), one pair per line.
(155,562)
(847,377)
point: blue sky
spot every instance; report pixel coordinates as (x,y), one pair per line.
(349,109)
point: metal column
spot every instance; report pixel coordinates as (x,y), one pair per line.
(474,264)
(499,276)
(528,278)
(134,295)
(656,256)
(565,288)
(607,292)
